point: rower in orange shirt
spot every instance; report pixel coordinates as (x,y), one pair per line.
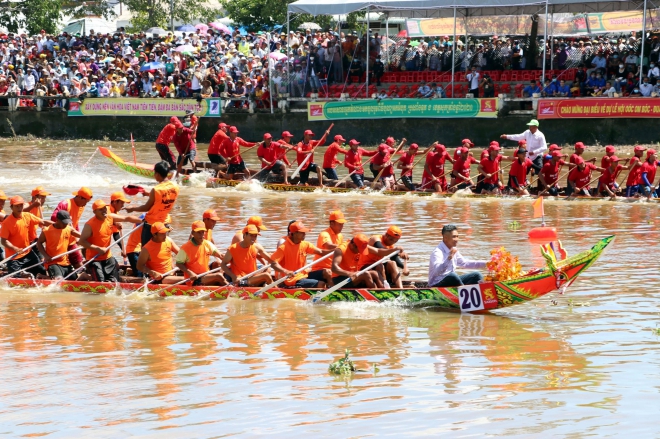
(96,238)
(160,203)
(346,260)
(292,255)
(156,256)
(305,147)
(117,202)
(75,206)
(330,238)
(233,153)
(35,207)
(194,257)
(381,246)
(55,240)
(165,138)
(330,161)
(14,236)
(210,218)
(254,220)
(241,259)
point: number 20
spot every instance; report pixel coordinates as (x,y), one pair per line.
(471,298)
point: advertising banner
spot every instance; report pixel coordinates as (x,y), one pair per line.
(402,108)
(144,107)
(598,107)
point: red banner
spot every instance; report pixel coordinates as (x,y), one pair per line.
(598,107)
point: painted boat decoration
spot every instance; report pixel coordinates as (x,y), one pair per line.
(556,275)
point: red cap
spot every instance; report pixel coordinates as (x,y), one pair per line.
(353,142)
(556,153)
(554,147)
(298,226)
(267,136)
(287,134)
(610,149)
(579,161)
(339,138)
(383,148)
(468,141)
(648,153)
(337,216)
(222,125)
(158,227)
(522,142)
(639,148)
(210,214)
(462,150)
(16,200)
(579,145)
(174,120)
(494,143)
(614,158)
(233,129)
(390,140)
(494,148)
(361,241)
(414,146)
(308,133)
(440,147)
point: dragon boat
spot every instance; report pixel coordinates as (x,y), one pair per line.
(558,274)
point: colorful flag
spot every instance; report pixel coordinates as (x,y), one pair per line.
(538,208)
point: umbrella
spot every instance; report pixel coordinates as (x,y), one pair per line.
(309,25)
(155,30)
(108,59)
(202,27)
(414,43)
(219,26)
(152,66)
(403,33)
(277,56)
(185,48)
(187,28)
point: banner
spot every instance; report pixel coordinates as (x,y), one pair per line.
(144,107)
(598,107)
(402,108)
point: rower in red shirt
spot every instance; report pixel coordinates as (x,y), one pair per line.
(549,175)
(233,153)
(383,161)
(609,152)
(406,163)
(465,143)
(285,144)
(165,138)
(460,174)
(580,177)
(490,169)
(518,173)
(268,154)
(184,142)
(390,142)
(648,174)
(215,147)
(635,174)
(607,185)
(330,161)
(434,177)
(353,162)
(305,148)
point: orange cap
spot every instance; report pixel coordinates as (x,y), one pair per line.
(158,227)
(210,214)
(337,216)
(298,226)
(84,192)
(119,196)
(394,232)
(3,196)
(251,229)
(40,191)
(16,200)
(197,226)
(361,241)
(99,204)
(256,220)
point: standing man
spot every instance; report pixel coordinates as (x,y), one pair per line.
(535,143)
(55,240)
(117,202)
(165,138)
(75,206)
(271,155)
(330,238)
(233,153)
(307,146)
(353,162)
(473,81)
(330,161)
(215,147)
(446,258)
(184,142)
(635,175)
(434,169)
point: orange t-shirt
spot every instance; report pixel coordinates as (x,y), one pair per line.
(58,242)
(115,229)
(34,230)
(350,261)
(75,212)
(101,236)
(166,135)
(17,231)
(196,257)
(244,260)
(293,257)
(134,243)
(166,194)
(325,237)
(160,255)
(367,258)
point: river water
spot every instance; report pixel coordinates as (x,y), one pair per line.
(580,364)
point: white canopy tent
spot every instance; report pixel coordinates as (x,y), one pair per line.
(452,8)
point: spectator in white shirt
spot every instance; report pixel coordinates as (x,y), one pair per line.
(645,88)
(609,91)
(446,258)
(473,81)
(536,144)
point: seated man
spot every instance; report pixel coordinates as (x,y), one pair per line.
(531,89)
(346,263)
(446,258)
(155,259)
(388,271)
(424,91)
(55,240)
(194,256)
(241,260)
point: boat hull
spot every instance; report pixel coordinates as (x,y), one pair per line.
(470,298)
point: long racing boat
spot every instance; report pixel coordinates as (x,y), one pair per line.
(557,275)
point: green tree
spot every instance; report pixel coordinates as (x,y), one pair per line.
(35,15)
(156,13)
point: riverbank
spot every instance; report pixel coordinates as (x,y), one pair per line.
(593,132)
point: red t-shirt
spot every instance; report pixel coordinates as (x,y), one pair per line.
(491,167)
(463,166)
(484,154)
(234,148)
(581,177)
(267,153)
(519,170)
(353,159)
(435,161)
(456,155)
(181,141)
(407,159)
(605,162)
(550,171)
(635,176)
(649,169)
(608,177)
(215,147)
(330,156)
(381,159)
(165,136)
(574,157)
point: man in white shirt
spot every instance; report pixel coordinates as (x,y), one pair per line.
(446,258)
(536,144)
(473,81)
(645,87)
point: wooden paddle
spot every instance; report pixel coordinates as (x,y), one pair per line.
(319,296)
(283,278)
(16,254)
(35,265)
(373,183)
(309,155)
(417,162)
(238,281)
(184,281)
(144,287)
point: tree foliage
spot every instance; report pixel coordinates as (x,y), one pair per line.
(35,15)
(153,13)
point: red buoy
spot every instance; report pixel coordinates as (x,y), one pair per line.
(543,233)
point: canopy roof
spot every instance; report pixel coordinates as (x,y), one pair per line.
(445,8)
